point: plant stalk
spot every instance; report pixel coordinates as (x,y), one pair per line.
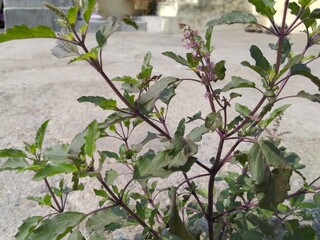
(119,202)
(59,208)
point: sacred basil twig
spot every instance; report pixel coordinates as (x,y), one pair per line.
(251,201)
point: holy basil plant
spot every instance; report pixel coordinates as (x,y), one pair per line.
(257,201)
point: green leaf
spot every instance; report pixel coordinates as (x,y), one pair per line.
(109,155)
(40,134)
(315,13)
(302,69)
(176,226)
(233,17)
(151,165)
(105,104)
(234,122)
(130,22)
(195,117)
(264,7)
(126,79)
(115,118)
(305,3)
(238,82)
(177,58)
(208,38)
(243,110)
(138,147)
(295,8)
(167,95)
(311,97)
(100,193)
(104,219)
(193,62)
(73,15)
(180,161)
(286,49)
(165,162)
(14,163)
(178,157)
(156,91)
(316,198)
(293,61)
(220,206)
(93,54)
(77,143)
(180,129)
(308,205)
(276,113)
(271,186)
(24,32)
(76,235)
(42,201)
(261,61)
(220,70)
(65,49)
(58,226)
(110,176)
(195,135)
(213,121)
(58,153)
(110,25)
(92,134)
(88,6)
(263,225)
(254,68)
(273,155)
(146,68)
(297,232)
(51,169)
(10,152)
(27,227)
(303,13)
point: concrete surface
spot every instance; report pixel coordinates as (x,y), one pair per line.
(33,12)
(35,86)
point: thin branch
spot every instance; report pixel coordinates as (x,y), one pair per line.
(190,79)
(203,166)
(192,178)
(286,97)
(284,83)
(301,192)
(247,119)
(222,231)
(190,209)
(65,201)
(311,60)
(100,209)
(226,158)
(59,209)
(119,202)
(314,181)
(245,139)
(125,188)
(237,208)
(187,180)
(292,26)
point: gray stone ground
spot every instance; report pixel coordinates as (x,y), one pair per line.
(35,86)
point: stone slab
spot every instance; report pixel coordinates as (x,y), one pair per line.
(31,17)
(36,3)
(153,23)
(96,24)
